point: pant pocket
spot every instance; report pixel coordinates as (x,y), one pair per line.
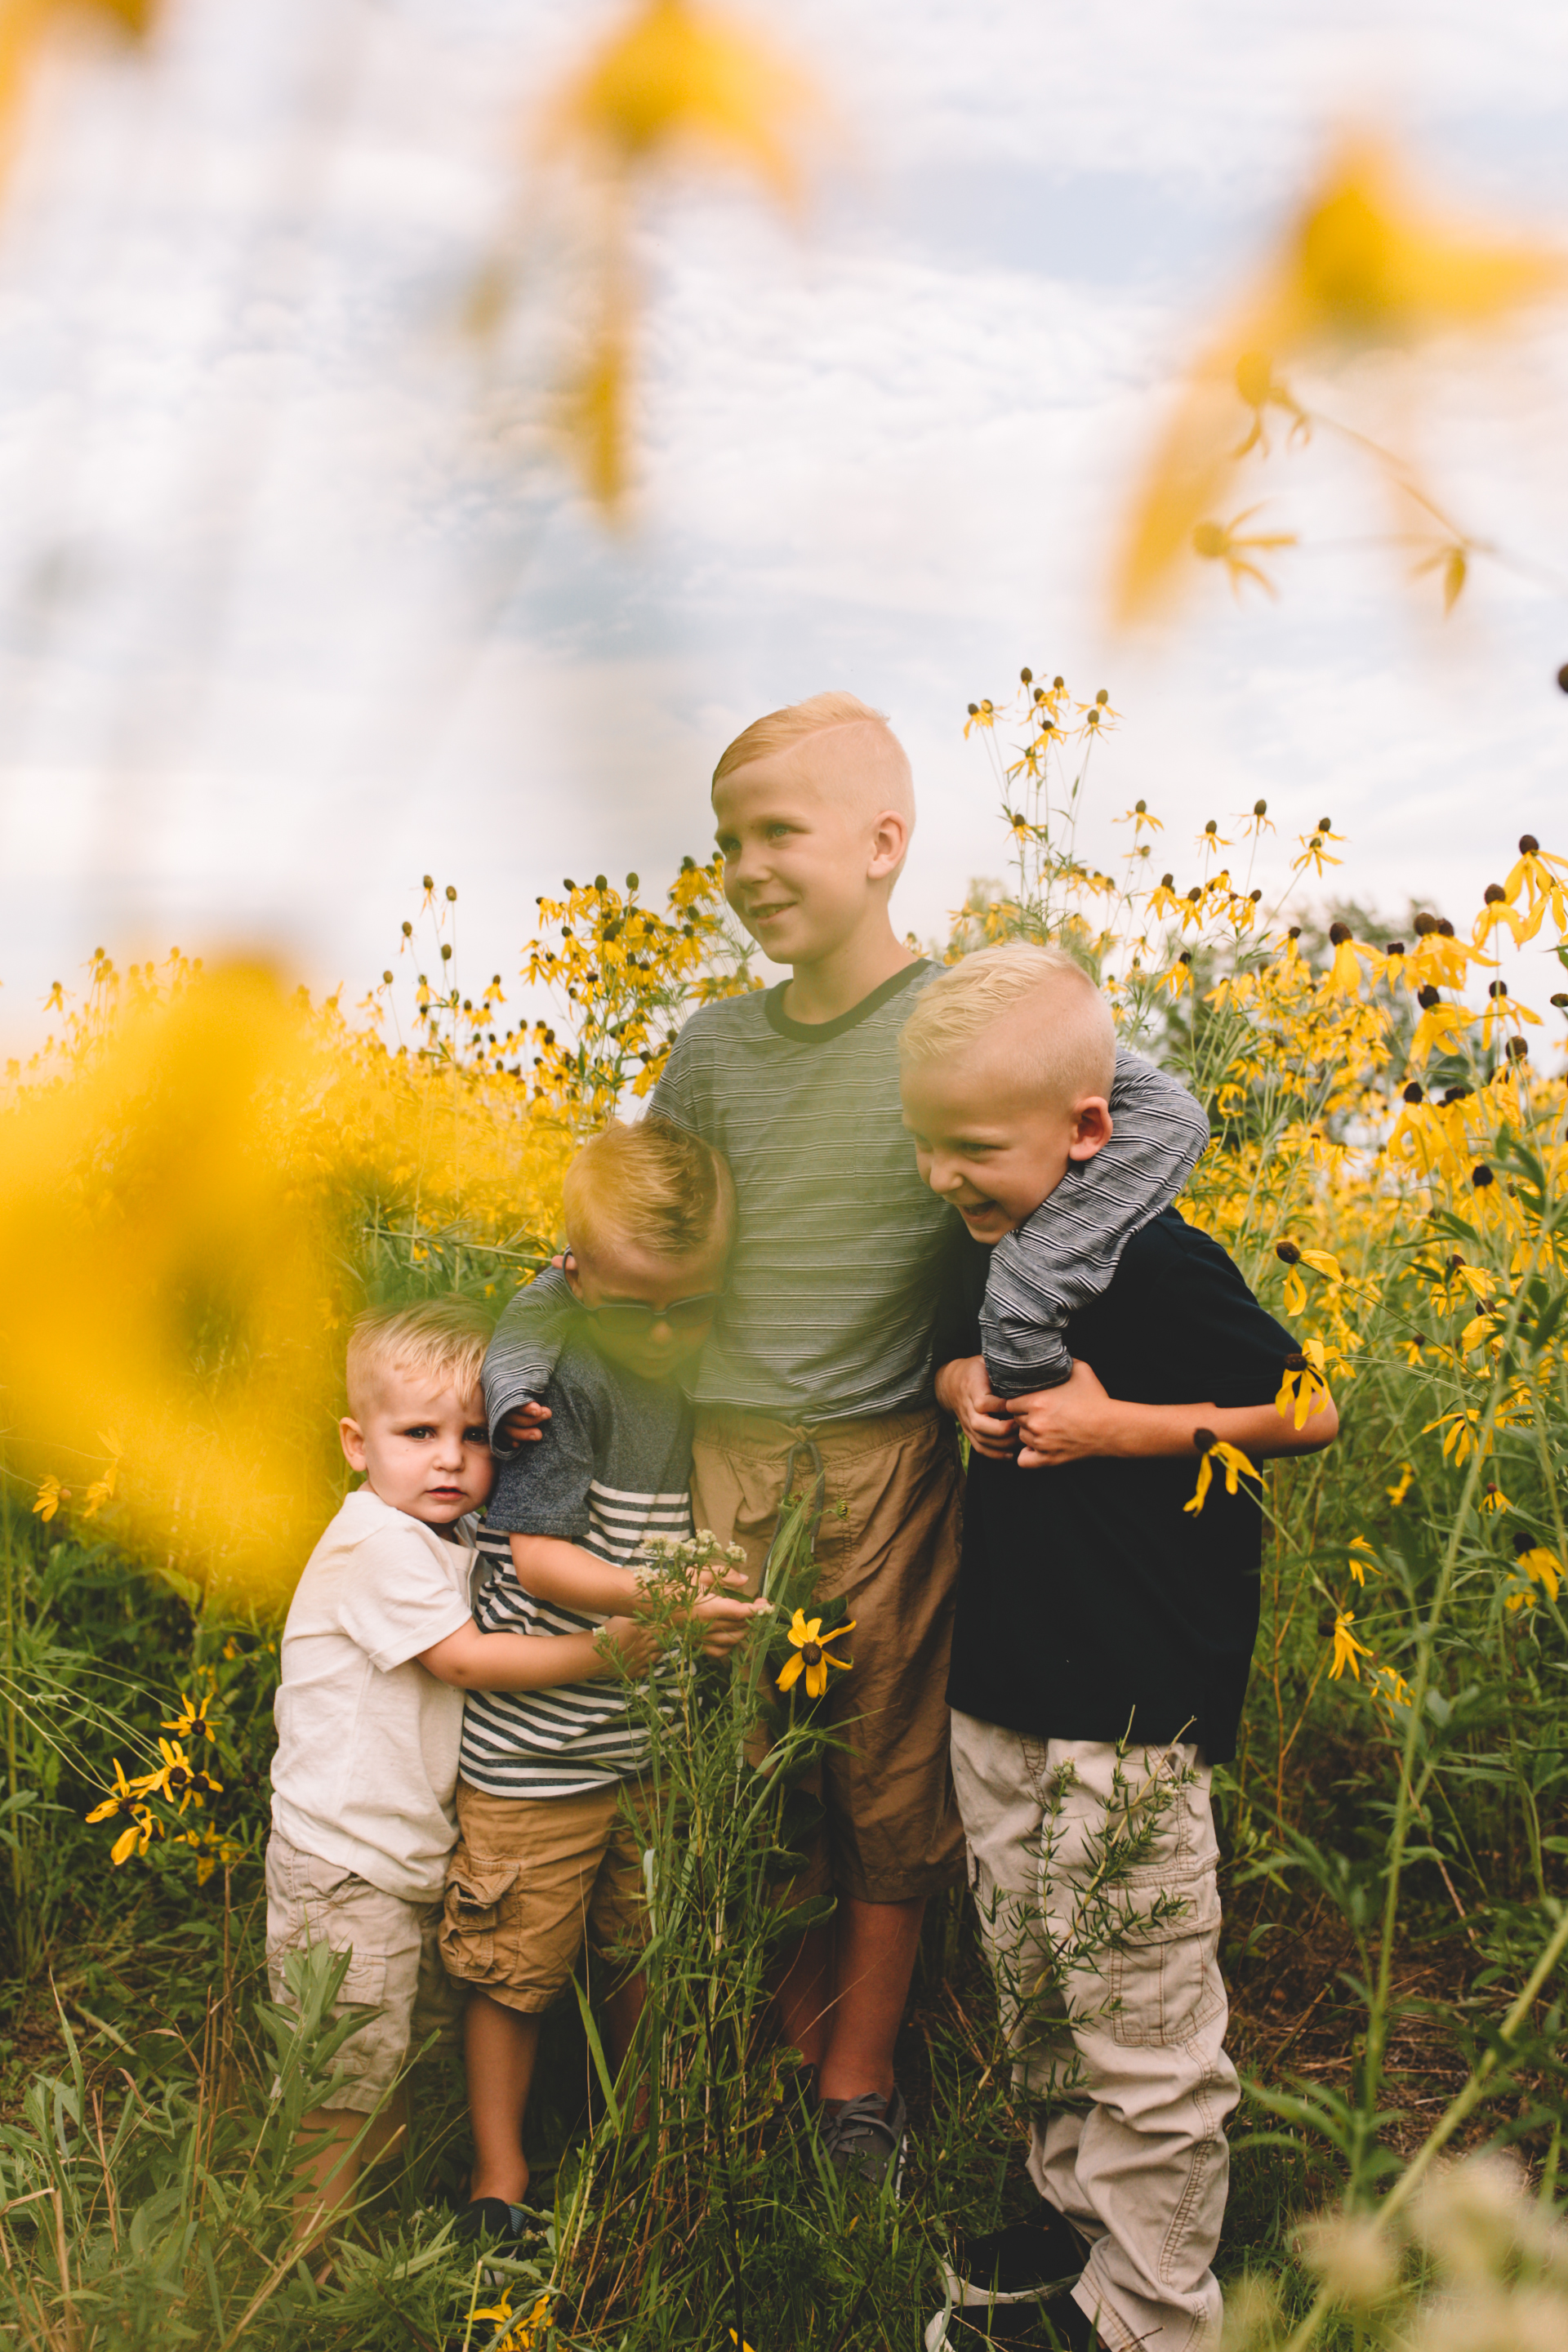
(471,1913)
(1164,1984)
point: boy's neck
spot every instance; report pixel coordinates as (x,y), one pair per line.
(835,984)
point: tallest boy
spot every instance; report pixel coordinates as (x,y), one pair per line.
(821,1357)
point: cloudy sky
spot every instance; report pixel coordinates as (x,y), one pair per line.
(295,606)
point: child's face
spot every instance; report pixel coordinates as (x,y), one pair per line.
(621,1284)
(805,865)
(989,1144)
(423,1448)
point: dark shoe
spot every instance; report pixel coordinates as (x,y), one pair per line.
(864,2138)
(488,2222)
(996,2281)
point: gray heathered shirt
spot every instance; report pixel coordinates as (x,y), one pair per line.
(836,1277)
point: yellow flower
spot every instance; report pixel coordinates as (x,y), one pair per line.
(1362,1557)
(177,1779)
(1534,1559)
(1407,1479)
(812,1656)
(1232,1460)
(126,1802)
(1362,264)
(51,1494)
(1222,542)
(1347,1651)
(192,1720)
(1303,1391)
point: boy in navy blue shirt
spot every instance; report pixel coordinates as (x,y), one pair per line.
(1103,1635)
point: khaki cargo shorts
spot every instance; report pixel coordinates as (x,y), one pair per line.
(394,1968)
(888,1546)
(530,1880)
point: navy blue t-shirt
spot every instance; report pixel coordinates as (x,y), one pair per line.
(1090,1605)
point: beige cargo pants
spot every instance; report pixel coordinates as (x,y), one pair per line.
(1094,1875)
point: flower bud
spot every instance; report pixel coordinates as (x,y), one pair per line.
(429,882)
(408,930)
(1338,934)
(1560,999)
(1518,1049)
(1259,808)
(1026,675)
(1498,988)
(1415,1092)
(631,881)
(1527,844)
(1103,698)
(974,710)
(1287,1252)
(1255,897)
(1203,1439)
(1494,894)
(451,896)
(1140,808)
(1444,927)
(387,978)
(446,950)
(1058,684)
(1425,924)
(1294,932)
(1167,881)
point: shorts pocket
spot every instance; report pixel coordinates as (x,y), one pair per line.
(1164,1984)
(471,1913)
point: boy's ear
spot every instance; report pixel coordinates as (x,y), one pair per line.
(351,1439)
(569,1268)
(1091,1127)
(890,844)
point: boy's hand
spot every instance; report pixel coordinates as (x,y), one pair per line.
(1069,1424)
(717,1573)
(634,1643)
(524,1425)
(727,1621)
(964,1389)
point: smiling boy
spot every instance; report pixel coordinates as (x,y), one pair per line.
(1103,1637)
(819,1365)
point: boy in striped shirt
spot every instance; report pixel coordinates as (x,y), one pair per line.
(546,1850)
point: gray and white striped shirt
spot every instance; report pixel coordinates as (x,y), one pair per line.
(614,1469)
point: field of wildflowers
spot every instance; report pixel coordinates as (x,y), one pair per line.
(205,1176)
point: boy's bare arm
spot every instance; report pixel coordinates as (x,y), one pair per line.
(553,1570)
(471,1660)
(1078,1421)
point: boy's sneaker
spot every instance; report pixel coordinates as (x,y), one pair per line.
(996,2283)
(488,2222)
(865,2139)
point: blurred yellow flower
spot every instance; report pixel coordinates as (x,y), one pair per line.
(673,83)
(1363,264)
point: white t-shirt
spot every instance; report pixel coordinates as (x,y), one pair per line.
(366,1767)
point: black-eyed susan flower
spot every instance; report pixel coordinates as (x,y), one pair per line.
(1406,1478)
(1231,1460)
(1347,1651)
(126,1802)
(193,1720)
(1303,1389)
(177,1779)
(811,1655)
(1536,1561)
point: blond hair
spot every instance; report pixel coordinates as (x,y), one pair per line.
(1055,1025)
(872,769)
(445,1338)
(653,1185)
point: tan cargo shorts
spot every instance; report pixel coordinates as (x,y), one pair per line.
(888,1546)
(393,1969)
(530,1880)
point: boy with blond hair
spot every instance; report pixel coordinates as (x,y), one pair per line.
(818,1370)
(1103,1635)
(379,1641)
(550,1852)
